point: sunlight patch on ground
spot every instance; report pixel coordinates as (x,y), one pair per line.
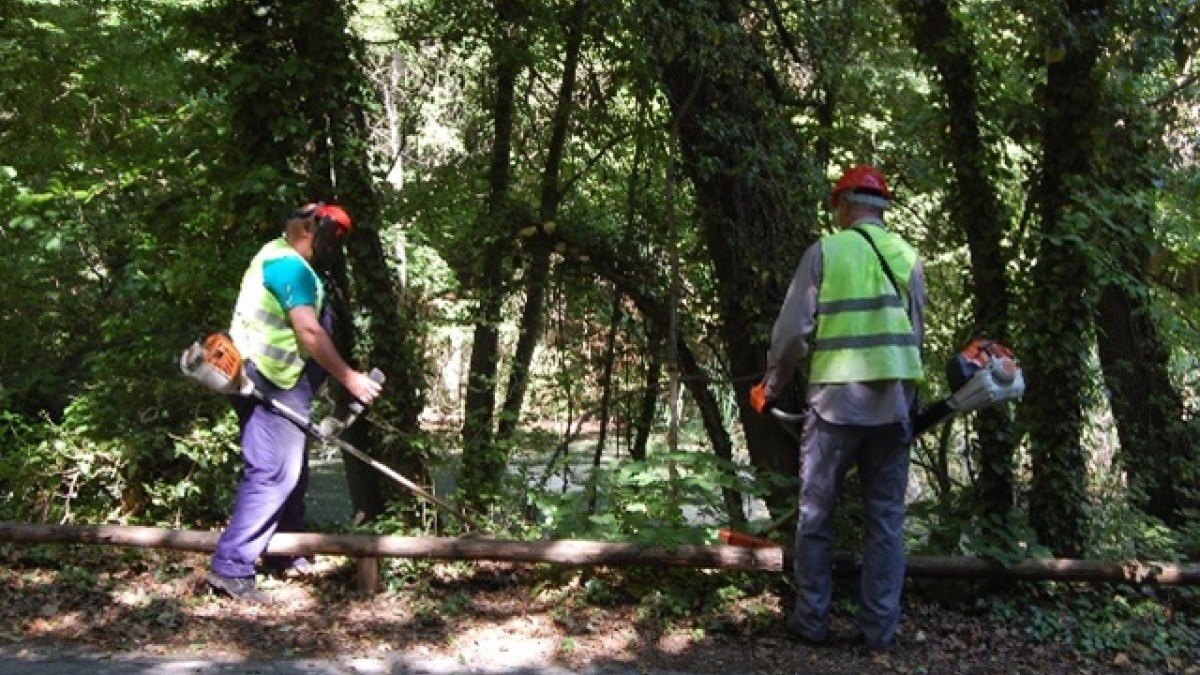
(675,643)
(494,647)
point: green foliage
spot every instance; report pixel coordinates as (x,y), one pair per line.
(118,242)
(1148,626)
(1121,531)
(656,501)
(65,473)
(1005,538)
(16,435)
(75,472)
(199,474)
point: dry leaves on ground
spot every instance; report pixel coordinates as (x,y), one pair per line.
(157,603)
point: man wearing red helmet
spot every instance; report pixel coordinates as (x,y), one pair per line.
(855,311)
(281,326)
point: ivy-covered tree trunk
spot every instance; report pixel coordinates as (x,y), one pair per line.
(1158,445)
(745,164)
(975,207)
(340,92)
(1059,315)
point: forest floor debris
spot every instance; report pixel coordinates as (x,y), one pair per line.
(156,603)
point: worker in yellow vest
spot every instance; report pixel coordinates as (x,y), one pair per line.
(854,310)
(281,327)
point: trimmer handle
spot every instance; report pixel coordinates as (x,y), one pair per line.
(356,406)
(787,416)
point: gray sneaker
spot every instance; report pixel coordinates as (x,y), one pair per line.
(238,588)
(290,568)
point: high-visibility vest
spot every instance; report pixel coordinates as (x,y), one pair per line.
(261,329)
(863,330)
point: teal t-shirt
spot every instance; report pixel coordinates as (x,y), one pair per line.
(291,282)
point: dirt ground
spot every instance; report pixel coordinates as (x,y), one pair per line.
(486,615)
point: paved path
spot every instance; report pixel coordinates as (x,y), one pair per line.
(25,662)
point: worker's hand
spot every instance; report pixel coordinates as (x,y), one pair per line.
(758,398)
(362,387)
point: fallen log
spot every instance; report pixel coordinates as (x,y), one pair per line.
(596,553)
(563,552)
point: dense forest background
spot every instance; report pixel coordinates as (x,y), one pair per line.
(575,221)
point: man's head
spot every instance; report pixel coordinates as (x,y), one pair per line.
(317,232)
(861,191)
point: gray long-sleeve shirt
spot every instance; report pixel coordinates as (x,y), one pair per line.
(856,403)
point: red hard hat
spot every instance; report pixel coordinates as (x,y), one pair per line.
(861,177)
(335,215)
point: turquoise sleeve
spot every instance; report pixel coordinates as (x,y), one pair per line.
(291,282)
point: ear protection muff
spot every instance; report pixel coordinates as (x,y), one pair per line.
(306,211)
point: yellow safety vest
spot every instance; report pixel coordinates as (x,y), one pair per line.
(863,330)
(261,329)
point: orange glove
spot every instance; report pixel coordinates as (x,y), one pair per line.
(758,398)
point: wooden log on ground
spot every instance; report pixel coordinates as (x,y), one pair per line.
(595,553)
(1046,569)
(564,552)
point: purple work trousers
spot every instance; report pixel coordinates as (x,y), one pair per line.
(270,497)
(827,452)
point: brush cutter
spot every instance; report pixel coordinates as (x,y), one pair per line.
(215,363)
(982,374)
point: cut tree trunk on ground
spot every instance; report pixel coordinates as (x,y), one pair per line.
(595,553)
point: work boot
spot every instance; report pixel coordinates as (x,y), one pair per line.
(860,641)
(797,634)
(238,588)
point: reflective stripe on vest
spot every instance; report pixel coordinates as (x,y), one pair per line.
(261,329)
(863,329)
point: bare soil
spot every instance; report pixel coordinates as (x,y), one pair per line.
(147,603)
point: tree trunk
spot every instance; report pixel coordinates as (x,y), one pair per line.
(751,211)
(1060,314)
(332,151)
(342,172)
(483,461)
(976,208)
(537,276)
(1158,446)
(645,418)
(606,384)
(537,272)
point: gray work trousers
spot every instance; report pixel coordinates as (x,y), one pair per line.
(827,452)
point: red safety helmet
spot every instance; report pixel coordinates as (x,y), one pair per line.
(329,216)
(333,215)
(864,178)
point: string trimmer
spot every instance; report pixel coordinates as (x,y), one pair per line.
(215,363)
(982,374)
